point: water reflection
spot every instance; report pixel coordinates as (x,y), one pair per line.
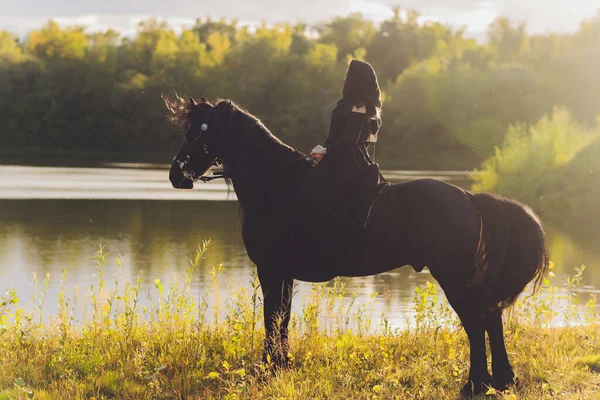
(156,239)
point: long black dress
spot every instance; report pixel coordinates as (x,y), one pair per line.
(329,209)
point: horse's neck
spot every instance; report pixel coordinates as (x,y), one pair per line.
(258,171)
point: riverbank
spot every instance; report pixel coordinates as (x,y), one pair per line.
(204,345)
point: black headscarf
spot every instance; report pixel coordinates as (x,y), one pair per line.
(361,82)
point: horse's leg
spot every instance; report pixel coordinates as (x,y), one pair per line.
(473,320)
(286,307)
(277,302)
(474,323)
(502,372)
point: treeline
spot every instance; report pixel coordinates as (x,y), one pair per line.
(448,100)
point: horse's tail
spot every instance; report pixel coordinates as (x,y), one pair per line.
(514,246)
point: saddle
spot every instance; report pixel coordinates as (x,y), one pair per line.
(376,184)
(324,247)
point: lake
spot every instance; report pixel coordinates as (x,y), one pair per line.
(54,219)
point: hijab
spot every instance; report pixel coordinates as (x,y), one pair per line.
(361,81)
(361,84)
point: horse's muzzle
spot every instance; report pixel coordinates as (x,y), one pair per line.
(185,184)
(179,181)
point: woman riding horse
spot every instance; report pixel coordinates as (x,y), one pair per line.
(328,206)
(481,249)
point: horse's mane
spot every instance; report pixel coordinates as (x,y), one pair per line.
(182,110)
(255,134)
(244,129)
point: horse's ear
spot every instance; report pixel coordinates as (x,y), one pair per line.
(203,100)
(193,102)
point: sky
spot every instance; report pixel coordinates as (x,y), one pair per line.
(542,16)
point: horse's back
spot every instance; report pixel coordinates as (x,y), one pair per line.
(421,223)
(422,202)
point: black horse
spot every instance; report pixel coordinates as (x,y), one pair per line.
(482,249)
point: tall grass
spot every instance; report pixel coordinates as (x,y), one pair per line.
(177,344)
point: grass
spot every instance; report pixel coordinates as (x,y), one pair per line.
(178,345)
(590,362)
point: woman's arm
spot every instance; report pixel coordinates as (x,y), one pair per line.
(346,126)
(357,118)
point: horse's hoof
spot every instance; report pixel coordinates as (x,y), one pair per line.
(275,362)
(474,388)
(503,383)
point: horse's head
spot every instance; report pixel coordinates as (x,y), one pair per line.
(201,148)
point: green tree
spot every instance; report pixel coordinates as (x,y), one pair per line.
(104,47)
(348,34)
(10,51)
(204,28)
(529,154)
(52,43)
(509,42)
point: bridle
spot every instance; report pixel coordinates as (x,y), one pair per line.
(217,162)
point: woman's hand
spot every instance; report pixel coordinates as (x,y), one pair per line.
(318,152)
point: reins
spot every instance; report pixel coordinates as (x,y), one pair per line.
(221,173)
(213,175)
